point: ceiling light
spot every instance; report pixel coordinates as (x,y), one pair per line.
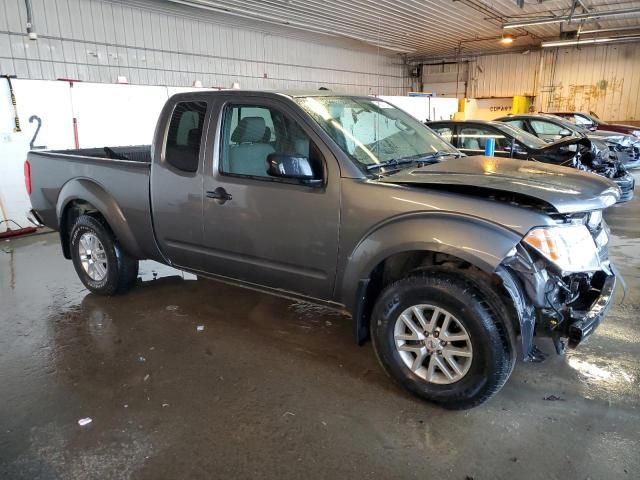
(506,39)
(589,41)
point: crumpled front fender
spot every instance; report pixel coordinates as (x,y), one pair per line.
(481,243)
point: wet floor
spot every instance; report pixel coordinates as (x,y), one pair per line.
(187,378)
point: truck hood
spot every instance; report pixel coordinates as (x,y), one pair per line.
(564,189)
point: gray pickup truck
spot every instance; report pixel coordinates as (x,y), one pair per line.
(450,264)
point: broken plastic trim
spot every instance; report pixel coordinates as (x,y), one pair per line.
(584,327)
(525,310)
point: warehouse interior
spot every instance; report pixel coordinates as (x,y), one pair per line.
(277,369)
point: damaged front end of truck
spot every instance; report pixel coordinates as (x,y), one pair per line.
(557,277)
(561,281)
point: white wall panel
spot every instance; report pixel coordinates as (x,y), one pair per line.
(425,108)
(116,114)
(159,43)
(52,103)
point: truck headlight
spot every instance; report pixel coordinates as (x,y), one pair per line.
(570,247)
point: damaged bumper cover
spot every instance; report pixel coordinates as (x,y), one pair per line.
(584,323)
(547,305)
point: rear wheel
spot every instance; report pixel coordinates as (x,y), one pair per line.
(439,337)
(101,263)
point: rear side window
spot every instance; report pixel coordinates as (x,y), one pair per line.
(445,132)
(516,123)
(185,135)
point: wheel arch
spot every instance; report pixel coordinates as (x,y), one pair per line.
(411,244)
(83,195)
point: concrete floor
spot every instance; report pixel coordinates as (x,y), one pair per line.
(275,389)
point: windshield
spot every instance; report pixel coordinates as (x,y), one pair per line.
(574,127)
(523,137)
(373,132)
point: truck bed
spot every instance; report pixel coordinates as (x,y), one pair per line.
(115,178)
(134,153)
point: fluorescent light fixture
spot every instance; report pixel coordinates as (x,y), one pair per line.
(589,41)
(389,47)
(584,17)
(529,23)
(603,30)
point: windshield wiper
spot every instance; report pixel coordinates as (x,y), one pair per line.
(392,163)
(420,158)
(441,153)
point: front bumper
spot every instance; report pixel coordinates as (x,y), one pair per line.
(626,183)
(583,325)
(548,305)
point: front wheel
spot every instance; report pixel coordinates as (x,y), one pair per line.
(439,337)
(100,262)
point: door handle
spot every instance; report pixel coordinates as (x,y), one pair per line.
(220,195)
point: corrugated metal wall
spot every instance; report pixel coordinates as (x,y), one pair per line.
(604,79)
(157,43)
(445,79)
(503,75)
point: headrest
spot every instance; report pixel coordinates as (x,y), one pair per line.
(249,130)
(336,110)
(193,138)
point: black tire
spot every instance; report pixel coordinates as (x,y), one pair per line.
(122,268)
(493,355)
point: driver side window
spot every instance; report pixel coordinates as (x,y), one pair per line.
(252,132)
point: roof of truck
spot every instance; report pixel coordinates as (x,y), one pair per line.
(467,121)
(288,93)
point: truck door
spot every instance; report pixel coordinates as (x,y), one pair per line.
(176,180)
(261,229)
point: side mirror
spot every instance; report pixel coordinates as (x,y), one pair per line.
(283,165)
(565,132)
